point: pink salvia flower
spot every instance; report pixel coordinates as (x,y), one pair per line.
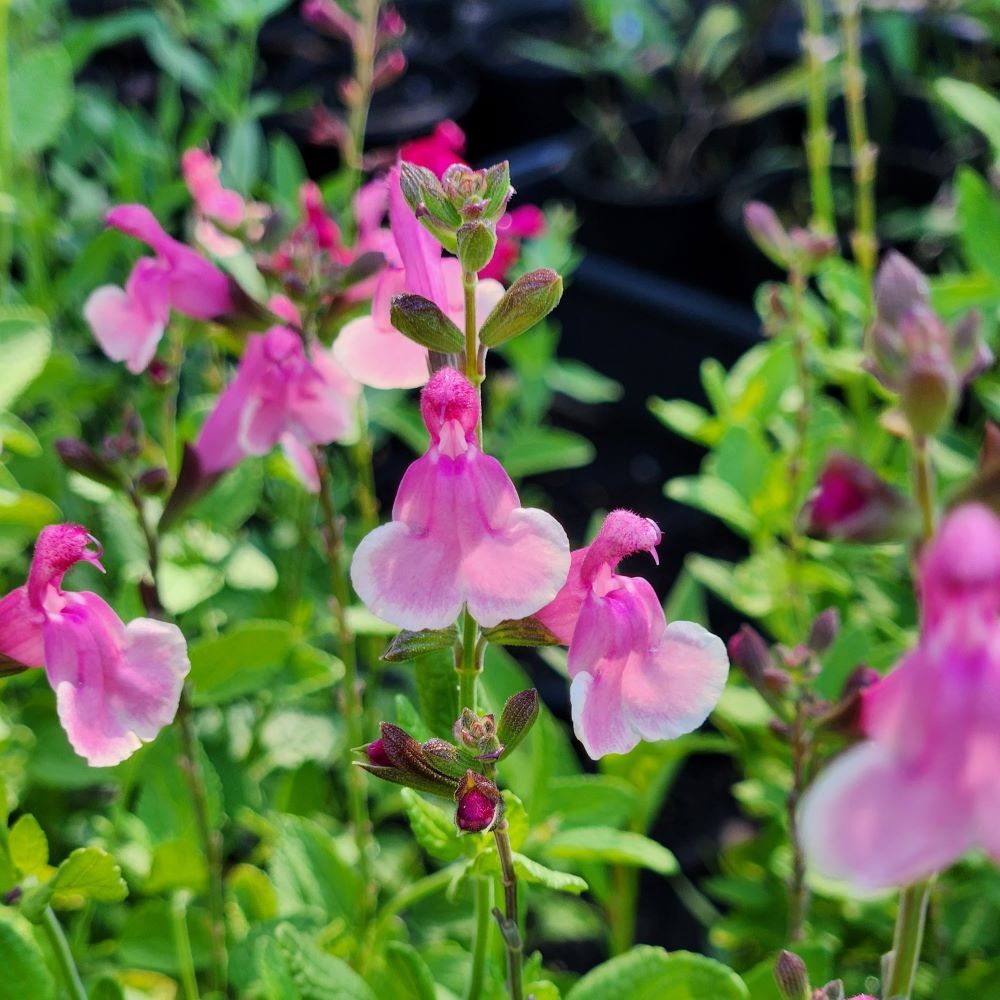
(634,677)
(921,790)
(128,323)
(369,347)
(116,685)
(215,202)
(279,396)
(458,534)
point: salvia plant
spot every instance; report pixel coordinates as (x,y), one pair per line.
(284,751)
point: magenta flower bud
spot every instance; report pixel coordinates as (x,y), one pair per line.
(388,67)
(792,977)
(390,25)
(852,504)
(376,754)
(330,17)
(478,804)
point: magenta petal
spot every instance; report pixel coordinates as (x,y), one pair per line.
(139,222)
(875,824)
(419,251)
(21,629)
(197,288)
(115,685)
(560,615)
(381,359)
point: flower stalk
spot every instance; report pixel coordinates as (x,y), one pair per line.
(480,942)
(818,138)
(507,920)
(60,947)
(907,941)
(364,49)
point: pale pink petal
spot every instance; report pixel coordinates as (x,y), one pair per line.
(301,459)
(115,686)
(128,323)
(380,359)
(674,687)
(201,175)
(514,560)
(875,824)
(488,294)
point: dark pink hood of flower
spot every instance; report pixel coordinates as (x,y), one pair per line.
(447,397)
(58,549)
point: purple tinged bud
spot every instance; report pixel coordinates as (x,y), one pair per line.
(749,652)
(516,719)
(852,504)
(792,977)
(79,457)
(766,230)
(824,630)
(153,481)
(899,288)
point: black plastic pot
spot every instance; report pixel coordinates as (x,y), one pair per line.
(520,100)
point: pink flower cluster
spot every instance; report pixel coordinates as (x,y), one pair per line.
(921,790)
(116,685)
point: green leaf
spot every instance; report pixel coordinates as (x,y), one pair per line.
(601,843)
(684,418)
(309,870)
(40,98)
(715,497)
(409,972)
(530,871)
(25,342)
(974,105)
(316,974)
(25,974)
(239,662)
(30,511)
(979,222)
(545,449)
(29,847)
(242,153)
(437,692)
(433,828)
(647,973)
(90,873)
(581,382)
(587,800)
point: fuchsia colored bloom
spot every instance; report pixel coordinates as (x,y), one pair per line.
(458,534)
(116,685)
(201,175)
(128,323)
(369,347)
(921,789)
(634,677)
(279,395)
(445,146)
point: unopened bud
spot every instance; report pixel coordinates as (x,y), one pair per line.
(792,977)
(516,719)
(330,17)
(824,630)
(475,243)
(776,680)
(389,67)
(425,324)
(749,652)
(79,457)
(846,715)
(835,991)
(153,481)
(376,754)
(765,229)
(477,808)
(528,301)
(852,504)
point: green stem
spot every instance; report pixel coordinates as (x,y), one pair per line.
(818,139)
(923,484)
(364,467)
(509,929)
(622,907)
(6,157)
(798,893)
(182,944)
(415,892)
(484,901)
(60,951)
(211,841)
(863,152)
(353,708)
(907,941)
(468,666)
(364,70)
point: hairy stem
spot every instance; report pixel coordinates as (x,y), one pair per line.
(818,139)
(509,930)
(182,946)
(353,707)
(468,665)
(364,70)
(864,154)
(907,941)
(622,906)
(480,942)
(60,949)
